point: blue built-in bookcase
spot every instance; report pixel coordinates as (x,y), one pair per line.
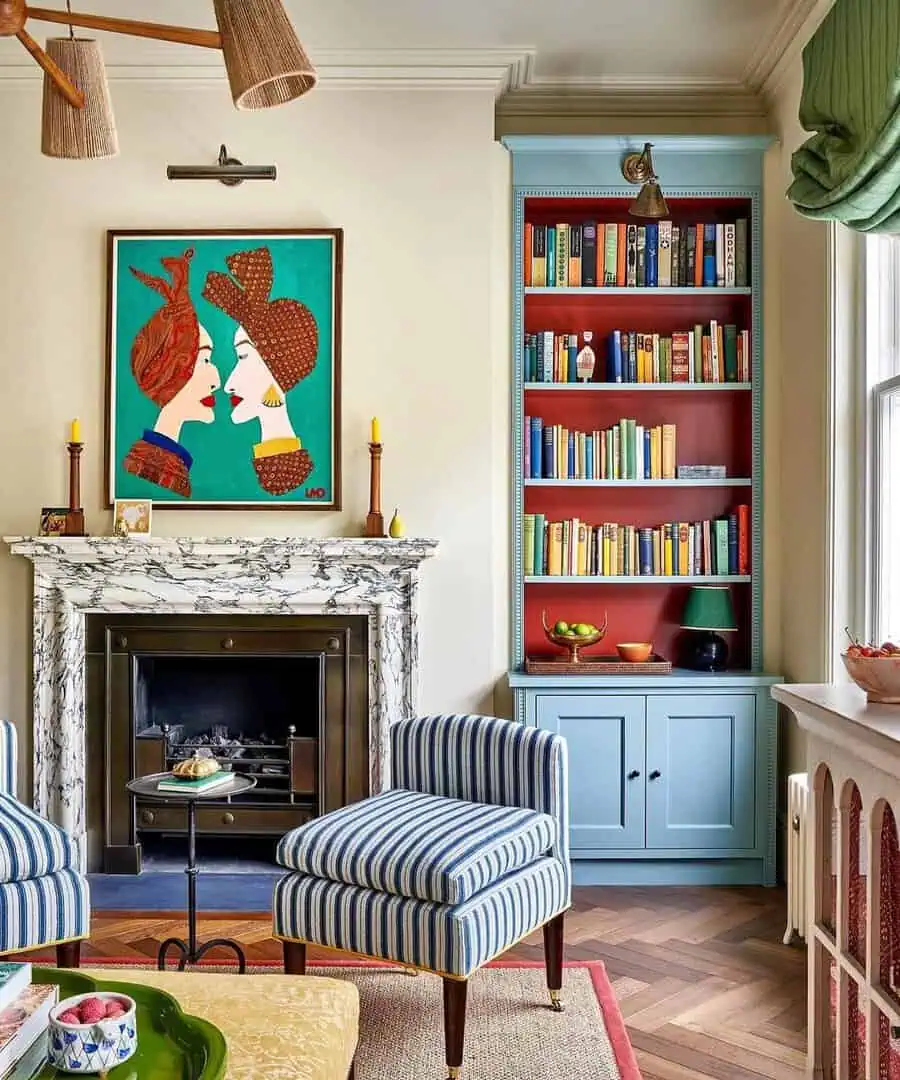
(673,776)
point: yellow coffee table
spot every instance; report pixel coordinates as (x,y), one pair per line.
(281,1027)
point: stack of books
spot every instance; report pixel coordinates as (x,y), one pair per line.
(706,353)
(663,254)
(625,451)
(175,784)
(575,548)
(24,1021)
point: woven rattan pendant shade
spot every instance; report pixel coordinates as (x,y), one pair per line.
(78,133)
(265,61)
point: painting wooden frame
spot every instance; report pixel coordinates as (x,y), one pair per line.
(223,371)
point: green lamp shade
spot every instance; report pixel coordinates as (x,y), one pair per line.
(708,607)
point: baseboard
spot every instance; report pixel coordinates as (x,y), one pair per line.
(669,872)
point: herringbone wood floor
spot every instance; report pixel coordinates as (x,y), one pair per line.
(704,983)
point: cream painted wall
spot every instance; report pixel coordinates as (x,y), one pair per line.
(422,192)
(797,373)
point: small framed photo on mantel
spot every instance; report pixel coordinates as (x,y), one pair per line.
(53,520)
(223,373)
(132,517)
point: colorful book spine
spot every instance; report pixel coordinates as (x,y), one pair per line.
(611,255)
(589,255)
(661,254)
(575,255)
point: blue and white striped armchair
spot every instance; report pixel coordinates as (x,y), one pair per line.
(43,899)
(463,857)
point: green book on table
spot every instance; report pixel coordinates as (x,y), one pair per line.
(199,783)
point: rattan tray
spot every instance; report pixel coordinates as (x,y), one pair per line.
(596,665)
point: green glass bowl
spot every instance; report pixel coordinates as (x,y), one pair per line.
(171,1044)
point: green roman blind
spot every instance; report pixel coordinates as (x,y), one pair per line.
(849,170)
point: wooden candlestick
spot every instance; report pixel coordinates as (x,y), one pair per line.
(75,514)
(375,518)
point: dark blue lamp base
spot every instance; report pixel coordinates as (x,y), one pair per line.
(704,650)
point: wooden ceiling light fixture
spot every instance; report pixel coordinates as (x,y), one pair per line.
(265,62)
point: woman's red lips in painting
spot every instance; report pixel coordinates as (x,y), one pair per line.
(236,399)
(208,401)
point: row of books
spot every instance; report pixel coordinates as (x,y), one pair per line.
(661,254)
(573,547)
(24,1022)
(625,451)
(712,353)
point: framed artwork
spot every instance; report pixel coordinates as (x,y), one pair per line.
(223,369)
(133,516)
(53,520)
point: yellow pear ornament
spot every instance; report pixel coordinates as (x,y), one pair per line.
(396,528)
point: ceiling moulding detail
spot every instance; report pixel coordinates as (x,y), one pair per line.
(791,29)
(632,97)
(497,70)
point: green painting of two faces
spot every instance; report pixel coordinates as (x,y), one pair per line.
(224,368)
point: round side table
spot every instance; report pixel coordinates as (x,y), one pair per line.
(189,950)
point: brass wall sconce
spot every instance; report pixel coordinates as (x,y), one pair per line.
(637,168)
(229,171)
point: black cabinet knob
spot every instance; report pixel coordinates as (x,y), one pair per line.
(655,775)
(228,819)
(148,817)
(634,774)
(122,641)
(332,644)
(228,643)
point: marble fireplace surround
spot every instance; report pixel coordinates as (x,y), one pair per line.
(75,576)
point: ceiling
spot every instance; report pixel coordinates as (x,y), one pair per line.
(542,44)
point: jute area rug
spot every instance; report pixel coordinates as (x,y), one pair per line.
(511,1032)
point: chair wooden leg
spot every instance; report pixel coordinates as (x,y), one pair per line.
(454,1023)
(68,954)
(294,958)
(352,1074)
(553,959)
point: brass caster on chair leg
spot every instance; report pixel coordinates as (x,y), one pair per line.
(556,1000)
(453,1072)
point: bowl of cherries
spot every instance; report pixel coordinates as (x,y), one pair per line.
(875,669)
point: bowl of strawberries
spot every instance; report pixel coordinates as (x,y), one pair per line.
(875,669)
(92,1033)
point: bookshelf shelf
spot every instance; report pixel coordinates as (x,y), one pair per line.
(726,482)
(618,388)
(709,741)
(636,290)
(638,579)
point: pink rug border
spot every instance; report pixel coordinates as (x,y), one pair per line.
(626,1061)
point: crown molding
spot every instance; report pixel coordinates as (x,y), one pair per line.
(630,96)
(781,48)
(496,70)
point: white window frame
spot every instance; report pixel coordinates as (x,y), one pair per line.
(879,382)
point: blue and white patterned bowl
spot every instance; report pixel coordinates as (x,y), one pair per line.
(92,1048)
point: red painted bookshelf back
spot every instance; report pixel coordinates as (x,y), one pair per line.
(713,427)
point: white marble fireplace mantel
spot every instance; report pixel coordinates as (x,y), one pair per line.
(74,576)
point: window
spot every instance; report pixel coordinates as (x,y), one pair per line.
(882,428)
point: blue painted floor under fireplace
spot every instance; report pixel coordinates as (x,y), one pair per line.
(229,880)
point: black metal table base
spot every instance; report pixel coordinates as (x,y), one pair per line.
(188,956)
(190,952)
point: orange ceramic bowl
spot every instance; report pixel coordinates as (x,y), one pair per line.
(635,652)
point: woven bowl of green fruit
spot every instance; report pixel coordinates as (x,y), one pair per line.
(574,636)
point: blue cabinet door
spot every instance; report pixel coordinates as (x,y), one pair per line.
(606,767)
(701,771)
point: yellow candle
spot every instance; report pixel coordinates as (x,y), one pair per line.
(76,431)
(376,430)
